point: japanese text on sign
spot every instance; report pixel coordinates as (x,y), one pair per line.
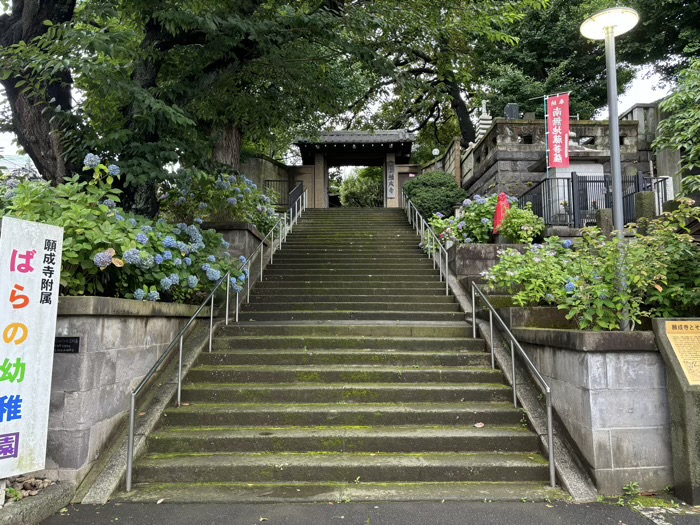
(685,340)
(30,263)
(558,130)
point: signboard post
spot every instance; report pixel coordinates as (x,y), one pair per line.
(30,269)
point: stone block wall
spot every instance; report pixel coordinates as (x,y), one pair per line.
(609,390)
(120,340)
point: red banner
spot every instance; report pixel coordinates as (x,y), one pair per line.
(558,130)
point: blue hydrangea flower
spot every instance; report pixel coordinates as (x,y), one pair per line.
(461,225)
(480,200)
(468,240)
(180,201)
(567,244)
(153,296)
(485,221)
(211,259)
(166,283)
(168,255)
(114,170)
(109,203)
(119,217)
(570,287)
(232,201)
(225,244)
(237,190)
(242,278)
(266,199)
(202,206)
(242,259)
(175,278)
(12,183)
(247,191)
(177,262)
(102,260)
(182,226)
(188,261)
(182,247)
(169,242)
(139,294)
(198,221)
(132,256)
(477,197)
(549,298)
(91,160)
(146,229)
(133,222)
(206,267)
(159,259)
(213,274)
(440,215)
(467,203)
(237,288)
(142,238)
(246,271)
(146,261)
(192,281)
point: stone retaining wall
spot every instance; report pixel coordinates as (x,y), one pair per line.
(609,390)
(120,340)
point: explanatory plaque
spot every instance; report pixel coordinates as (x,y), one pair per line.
(684,337)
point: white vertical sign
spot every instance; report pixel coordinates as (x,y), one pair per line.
(390,180)
(30,269)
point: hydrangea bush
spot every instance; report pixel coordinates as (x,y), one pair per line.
(109,252)
(217,197)
(473,222)
(602,281)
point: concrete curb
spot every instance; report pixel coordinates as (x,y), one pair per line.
(35,509)
(114,471)
(570,471)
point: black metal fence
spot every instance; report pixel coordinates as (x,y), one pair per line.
(564,201)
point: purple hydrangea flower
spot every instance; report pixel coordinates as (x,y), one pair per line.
(142,238)
(168,255)
(159,259)
(570,287)
(102,260)
(109,203)
(169,242)
(118,217)
(133,222)
(232,201)
(132,256)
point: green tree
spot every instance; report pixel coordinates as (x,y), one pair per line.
(680,130)
(363,189)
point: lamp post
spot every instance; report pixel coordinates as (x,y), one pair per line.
(606,25)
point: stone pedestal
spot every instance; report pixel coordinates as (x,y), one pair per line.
(683,373)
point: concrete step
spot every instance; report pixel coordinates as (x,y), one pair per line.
(354,393)
(393,306)
(356,291)
(403,439)
(292,342)
(342,263)
(344,357)
(346,374)
(421,284)
(350,329)
(258,298)
(301,492)
(310,252)
(456,414)
(355,315)
(429,275)
(339,467)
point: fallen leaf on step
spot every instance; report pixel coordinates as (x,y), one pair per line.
(479,425)
(263,519)
(161,500)
(141,414)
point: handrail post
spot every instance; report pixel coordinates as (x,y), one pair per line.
(262,252)
(550,440)
(493,357)
(272,249)
(130,445)
(248,281)
(179,374)
(237,306)
(447,274)
(228,286)
(515,383)
(211,321)
(473,312)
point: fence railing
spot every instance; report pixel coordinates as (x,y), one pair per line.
(295,205)
(514,345)
(564,201)
(283,227)
(437,251)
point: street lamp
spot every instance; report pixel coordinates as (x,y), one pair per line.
(606,25)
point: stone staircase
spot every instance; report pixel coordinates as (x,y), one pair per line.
(351,376)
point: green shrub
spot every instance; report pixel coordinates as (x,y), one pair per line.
(521,225)
(434,192)
(111,253)
(364,189)
(603,281)
(217,197)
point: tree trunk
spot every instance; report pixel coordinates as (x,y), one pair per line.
(459,106)
(31,121)
(227,149)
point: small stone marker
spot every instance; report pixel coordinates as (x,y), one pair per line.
(679,343)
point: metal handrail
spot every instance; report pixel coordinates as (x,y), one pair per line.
(416,220)
(536,373)
(284,228)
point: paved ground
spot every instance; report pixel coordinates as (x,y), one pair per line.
(448,513)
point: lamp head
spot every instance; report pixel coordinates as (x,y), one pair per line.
(620,19)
